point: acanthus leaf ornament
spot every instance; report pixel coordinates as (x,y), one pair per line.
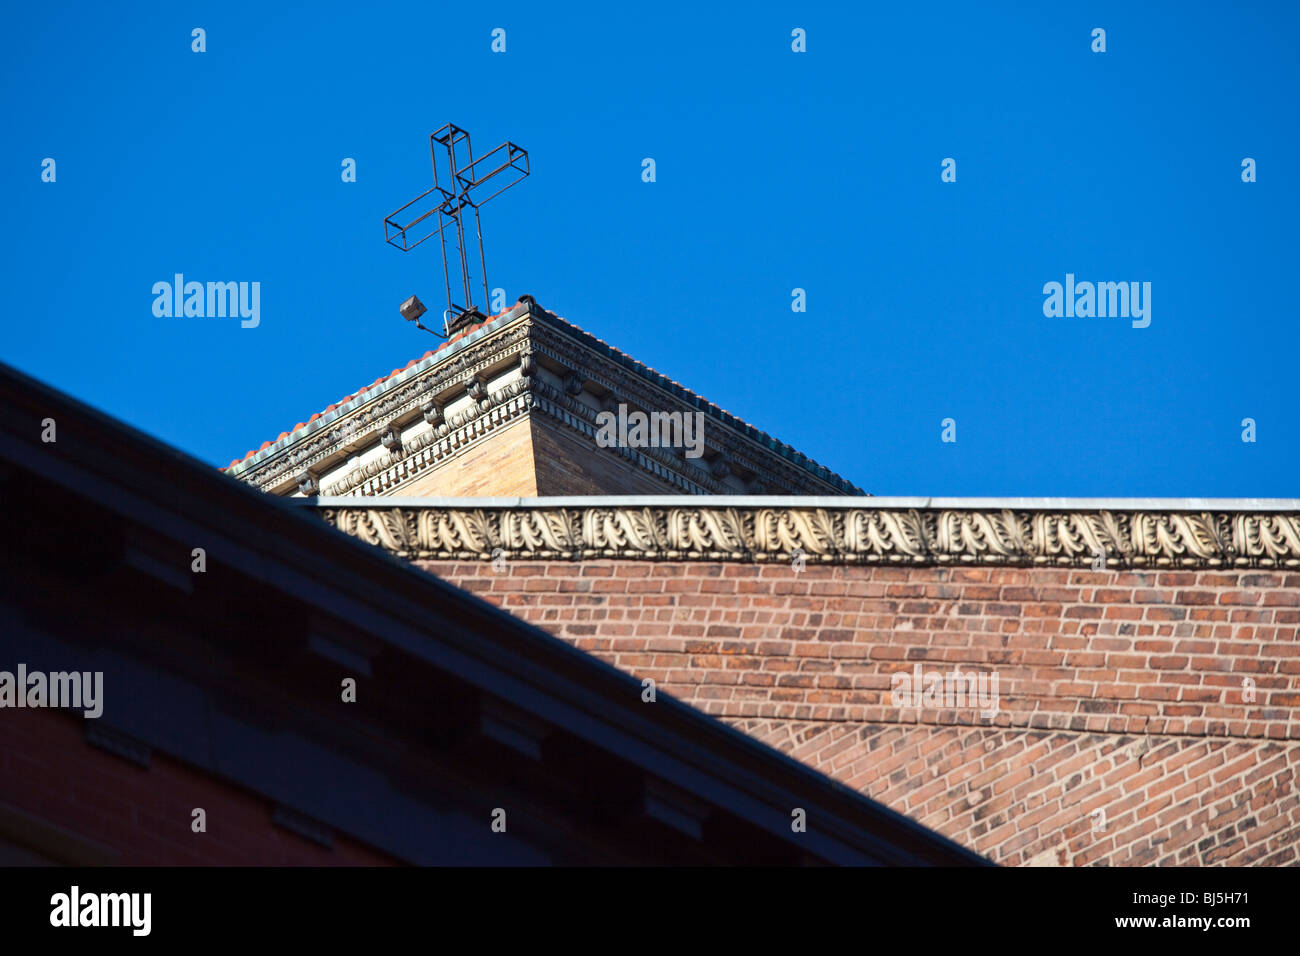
(848,535)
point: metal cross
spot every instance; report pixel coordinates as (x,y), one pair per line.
(469,183)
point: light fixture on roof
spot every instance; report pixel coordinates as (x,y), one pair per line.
(412,309)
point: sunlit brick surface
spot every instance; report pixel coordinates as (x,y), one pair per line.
(1124,734)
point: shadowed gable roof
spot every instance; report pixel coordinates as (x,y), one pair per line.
(729,794)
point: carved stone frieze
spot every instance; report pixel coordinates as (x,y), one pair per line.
(848,535)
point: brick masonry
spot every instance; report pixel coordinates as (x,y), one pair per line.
(532,457)
(566,465)
(501,464)
(121,813)
(1126,732)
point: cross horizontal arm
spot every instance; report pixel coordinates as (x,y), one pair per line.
(475,178)
(449,205)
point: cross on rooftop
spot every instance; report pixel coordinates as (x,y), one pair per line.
(471,185)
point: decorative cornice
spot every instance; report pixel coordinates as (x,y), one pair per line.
(363,421)
(695,530)
(443,440)
(527,337)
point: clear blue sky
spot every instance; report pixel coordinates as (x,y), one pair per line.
(775,170)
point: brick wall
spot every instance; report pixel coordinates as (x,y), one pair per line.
(1123,735)
(84,805)
(531,458)
(569,466)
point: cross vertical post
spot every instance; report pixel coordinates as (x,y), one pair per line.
(467,184)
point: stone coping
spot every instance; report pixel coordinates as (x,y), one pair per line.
(818,501)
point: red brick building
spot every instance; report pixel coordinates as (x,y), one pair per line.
(268,691)
(1146,716)
(1145,652)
